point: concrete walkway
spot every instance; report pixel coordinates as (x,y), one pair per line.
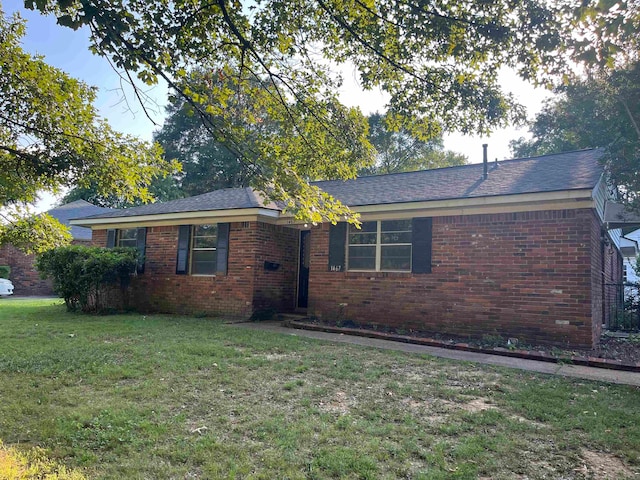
(575,371)
(30,297)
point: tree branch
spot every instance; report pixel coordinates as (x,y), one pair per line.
(630,115)
(344,24)
(46,133)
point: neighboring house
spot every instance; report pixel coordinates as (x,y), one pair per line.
(24,275)
(523,251)
(629,249)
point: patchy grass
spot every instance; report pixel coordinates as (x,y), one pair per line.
(32,464)
(134,396)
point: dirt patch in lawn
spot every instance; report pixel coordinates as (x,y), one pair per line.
(604,466)
(340,403)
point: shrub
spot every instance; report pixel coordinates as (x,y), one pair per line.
(84,276)
(32,465)
(5,270)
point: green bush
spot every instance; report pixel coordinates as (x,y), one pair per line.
(5,270)
(85,276)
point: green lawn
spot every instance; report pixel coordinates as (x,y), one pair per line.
(134,396)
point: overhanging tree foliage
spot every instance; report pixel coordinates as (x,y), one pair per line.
(51,135)
(162,189)
(32,233)
(600,111)
(272,60)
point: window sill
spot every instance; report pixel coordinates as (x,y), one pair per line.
(372,274)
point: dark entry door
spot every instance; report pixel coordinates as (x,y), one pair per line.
(303,271)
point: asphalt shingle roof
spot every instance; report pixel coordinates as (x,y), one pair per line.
(77,209)
(224,199)
(565,171)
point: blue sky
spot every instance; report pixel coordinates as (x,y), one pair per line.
(68,50)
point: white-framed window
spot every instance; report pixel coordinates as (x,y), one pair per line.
(204,255)
(383,245)
(625,274)
(127,237)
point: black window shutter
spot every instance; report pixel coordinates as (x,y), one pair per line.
(182,262)
(111,238)
(141,244)
(222,248)
(337,241)
(422,230)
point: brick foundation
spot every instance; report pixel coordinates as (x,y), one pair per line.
(526,275)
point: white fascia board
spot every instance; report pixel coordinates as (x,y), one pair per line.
(180,218)
(559,200)
(479,202)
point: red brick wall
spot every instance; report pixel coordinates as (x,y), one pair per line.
(525,275)
(24,276)
(246,287)
(275,289)
(99,238)
(597,269)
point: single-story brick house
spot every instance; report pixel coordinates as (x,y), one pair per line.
(522,250)
(24,276)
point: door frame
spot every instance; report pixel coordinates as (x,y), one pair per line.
(302,281)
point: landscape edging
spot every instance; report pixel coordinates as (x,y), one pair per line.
(525,354)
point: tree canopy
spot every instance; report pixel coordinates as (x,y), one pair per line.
(208,163)
(602,110)
(271,92)
(51,135)
(401,151)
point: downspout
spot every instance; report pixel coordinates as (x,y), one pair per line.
(605,320)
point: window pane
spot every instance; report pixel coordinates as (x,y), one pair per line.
(205,236)
(205,230)
(203,262)
(396,231)
(128,233)
(396,226)
(395,257)
(365,227)
(362,258)
(362,238)
(395,237)
(204,242)
(127,237)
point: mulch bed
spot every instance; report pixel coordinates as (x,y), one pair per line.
(619,352)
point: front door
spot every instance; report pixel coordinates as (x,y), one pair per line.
(303,269)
